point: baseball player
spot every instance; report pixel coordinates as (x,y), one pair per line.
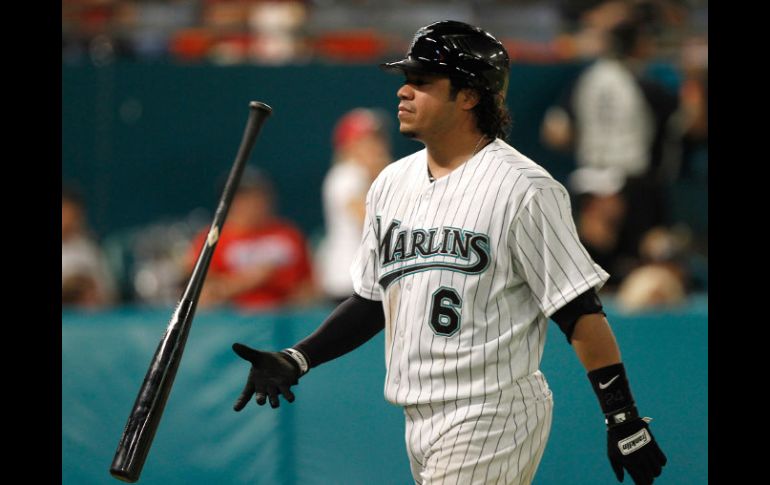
(468,249)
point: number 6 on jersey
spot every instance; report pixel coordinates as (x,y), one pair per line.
(445,311)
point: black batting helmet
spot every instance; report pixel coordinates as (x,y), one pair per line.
(458,50)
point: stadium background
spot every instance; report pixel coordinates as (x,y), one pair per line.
(148,136)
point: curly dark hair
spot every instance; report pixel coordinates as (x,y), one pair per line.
(492,115)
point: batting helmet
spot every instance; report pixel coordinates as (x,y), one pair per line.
(457,50)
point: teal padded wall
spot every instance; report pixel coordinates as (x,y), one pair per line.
(148,141)
(340,430)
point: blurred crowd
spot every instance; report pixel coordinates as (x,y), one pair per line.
(633,137)
(636,128)
(262,261)
(86,277)
(291,31)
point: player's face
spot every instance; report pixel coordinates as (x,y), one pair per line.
(425,110)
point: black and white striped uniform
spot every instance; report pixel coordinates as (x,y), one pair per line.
(468,268)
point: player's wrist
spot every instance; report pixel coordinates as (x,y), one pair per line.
(299,359)
(611,387)
(621,417)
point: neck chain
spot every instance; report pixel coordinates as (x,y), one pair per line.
(431,178)
(478,146)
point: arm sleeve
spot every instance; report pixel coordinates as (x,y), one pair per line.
(365,270)
(350,325)
(547,252)
(567,316)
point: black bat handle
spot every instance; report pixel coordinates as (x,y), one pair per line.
(258,114)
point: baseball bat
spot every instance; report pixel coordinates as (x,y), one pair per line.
(148,408)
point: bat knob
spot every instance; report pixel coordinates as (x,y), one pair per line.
(260,106)
(122,475)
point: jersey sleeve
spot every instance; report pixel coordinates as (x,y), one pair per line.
(547,252)
(365,271)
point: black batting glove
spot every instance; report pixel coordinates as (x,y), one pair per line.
(632,447)
(630,444)
(271,374)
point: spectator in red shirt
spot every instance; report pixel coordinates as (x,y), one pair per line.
(261,262)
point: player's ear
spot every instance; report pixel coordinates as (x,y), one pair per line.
(469,98)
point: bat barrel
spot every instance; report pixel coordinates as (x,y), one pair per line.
(148,408)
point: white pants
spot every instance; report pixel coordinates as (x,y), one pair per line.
(492,439)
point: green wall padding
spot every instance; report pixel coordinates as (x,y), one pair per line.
(340,430)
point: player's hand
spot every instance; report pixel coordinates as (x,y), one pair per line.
(631,446)
(271,374)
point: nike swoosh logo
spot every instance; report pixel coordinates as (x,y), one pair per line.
(605,386)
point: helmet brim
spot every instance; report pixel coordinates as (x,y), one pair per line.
(411,65)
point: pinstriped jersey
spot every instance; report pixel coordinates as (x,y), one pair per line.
(468,269)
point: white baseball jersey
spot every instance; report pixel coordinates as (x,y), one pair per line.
(468,268)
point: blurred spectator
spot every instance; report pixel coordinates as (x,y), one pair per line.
(589,21)
(601,211)
(691,190)
(361,151)
(261,262)
(586,23)
(276,31)
(694,95)
(663,278)
(266,32)
(85,276)
(624,126)
(158,254)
